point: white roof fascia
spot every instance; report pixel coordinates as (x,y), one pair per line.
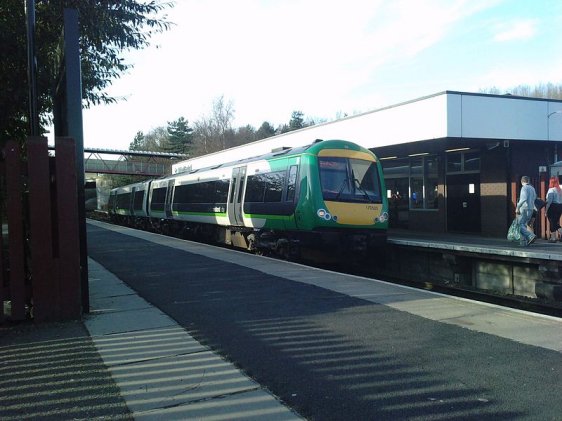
(446,114)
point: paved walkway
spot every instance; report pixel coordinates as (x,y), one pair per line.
(162,372)
(129,360)
(126,360)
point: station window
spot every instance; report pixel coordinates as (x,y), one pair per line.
(419,175)
(463,162)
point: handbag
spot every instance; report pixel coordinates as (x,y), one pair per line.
(539,203)
(513,234)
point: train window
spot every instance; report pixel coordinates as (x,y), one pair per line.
(233,188)
(365,179)
(111,203)
(206,192)
(255,188)
(291,183)
(185,193)
(241,189)
(266,187)
(334,177)
(274,186)
(123,201)
(158,199)
(138,200)
(221,190)
(352,180)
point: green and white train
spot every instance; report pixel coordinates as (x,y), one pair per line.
(329,195)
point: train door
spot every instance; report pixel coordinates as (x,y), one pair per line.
(132,203)
(235,198)
(168,202)
(463,203)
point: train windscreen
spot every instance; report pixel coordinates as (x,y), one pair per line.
(349,180)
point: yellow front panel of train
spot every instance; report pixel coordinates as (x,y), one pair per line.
(354,213)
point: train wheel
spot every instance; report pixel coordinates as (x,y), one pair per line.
(251,240)
(165,228)
(282,249)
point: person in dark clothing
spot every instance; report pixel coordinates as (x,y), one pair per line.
(554,208)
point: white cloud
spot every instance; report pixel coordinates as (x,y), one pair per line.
(516,31)
(271,57)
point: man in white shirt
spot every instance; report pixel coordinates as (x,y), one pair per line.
(524,210)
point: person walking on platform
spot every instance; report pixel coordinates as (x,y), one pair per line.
(524,210)
(554,208)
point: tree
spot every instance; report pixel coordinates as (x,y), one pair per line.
(156,140)
(296,122)
(180,136)
(138,142)
(244,134)
(107,28)
(214,132)
(266,130)
(548,90)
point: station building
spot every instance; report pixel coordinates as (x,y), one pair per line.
(452,161)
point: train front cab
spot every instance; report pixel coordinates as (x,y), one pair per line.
(348,208)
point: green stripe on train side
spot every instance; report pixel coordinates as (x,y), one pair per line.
(179,213)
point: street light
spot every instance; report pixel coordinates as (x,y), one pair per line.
(548,132)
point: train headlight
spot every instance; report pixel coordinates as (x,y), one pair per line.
(382,218)
(322,213)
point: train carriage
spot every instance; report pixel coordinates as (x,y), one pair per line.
(329,195)
(128,204)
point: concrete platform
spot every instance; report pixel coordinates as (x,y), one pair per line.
(329,345)
(521,326)
(161,371)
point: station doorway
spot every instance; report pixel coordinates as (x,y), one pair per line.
(463,203)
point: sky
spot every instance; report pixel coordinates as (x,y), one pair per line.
(326,58)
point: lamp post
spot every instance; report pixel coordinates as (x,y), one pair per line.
(548,132)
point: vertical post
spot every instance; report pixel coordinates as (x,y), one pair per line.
(541,217)
(15,229)
(68,235)
(73,80)
(2,278)
(32,68)
(43,280)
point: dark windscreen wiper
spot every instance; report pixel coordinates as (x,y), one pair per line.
(363,191)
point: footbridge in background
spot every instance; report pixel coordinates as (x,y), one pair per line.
(113,161)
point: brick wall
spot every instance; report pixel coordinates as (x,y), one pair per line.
(494,192)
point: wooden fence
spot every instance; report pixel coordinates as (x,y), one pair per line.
(39,246)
